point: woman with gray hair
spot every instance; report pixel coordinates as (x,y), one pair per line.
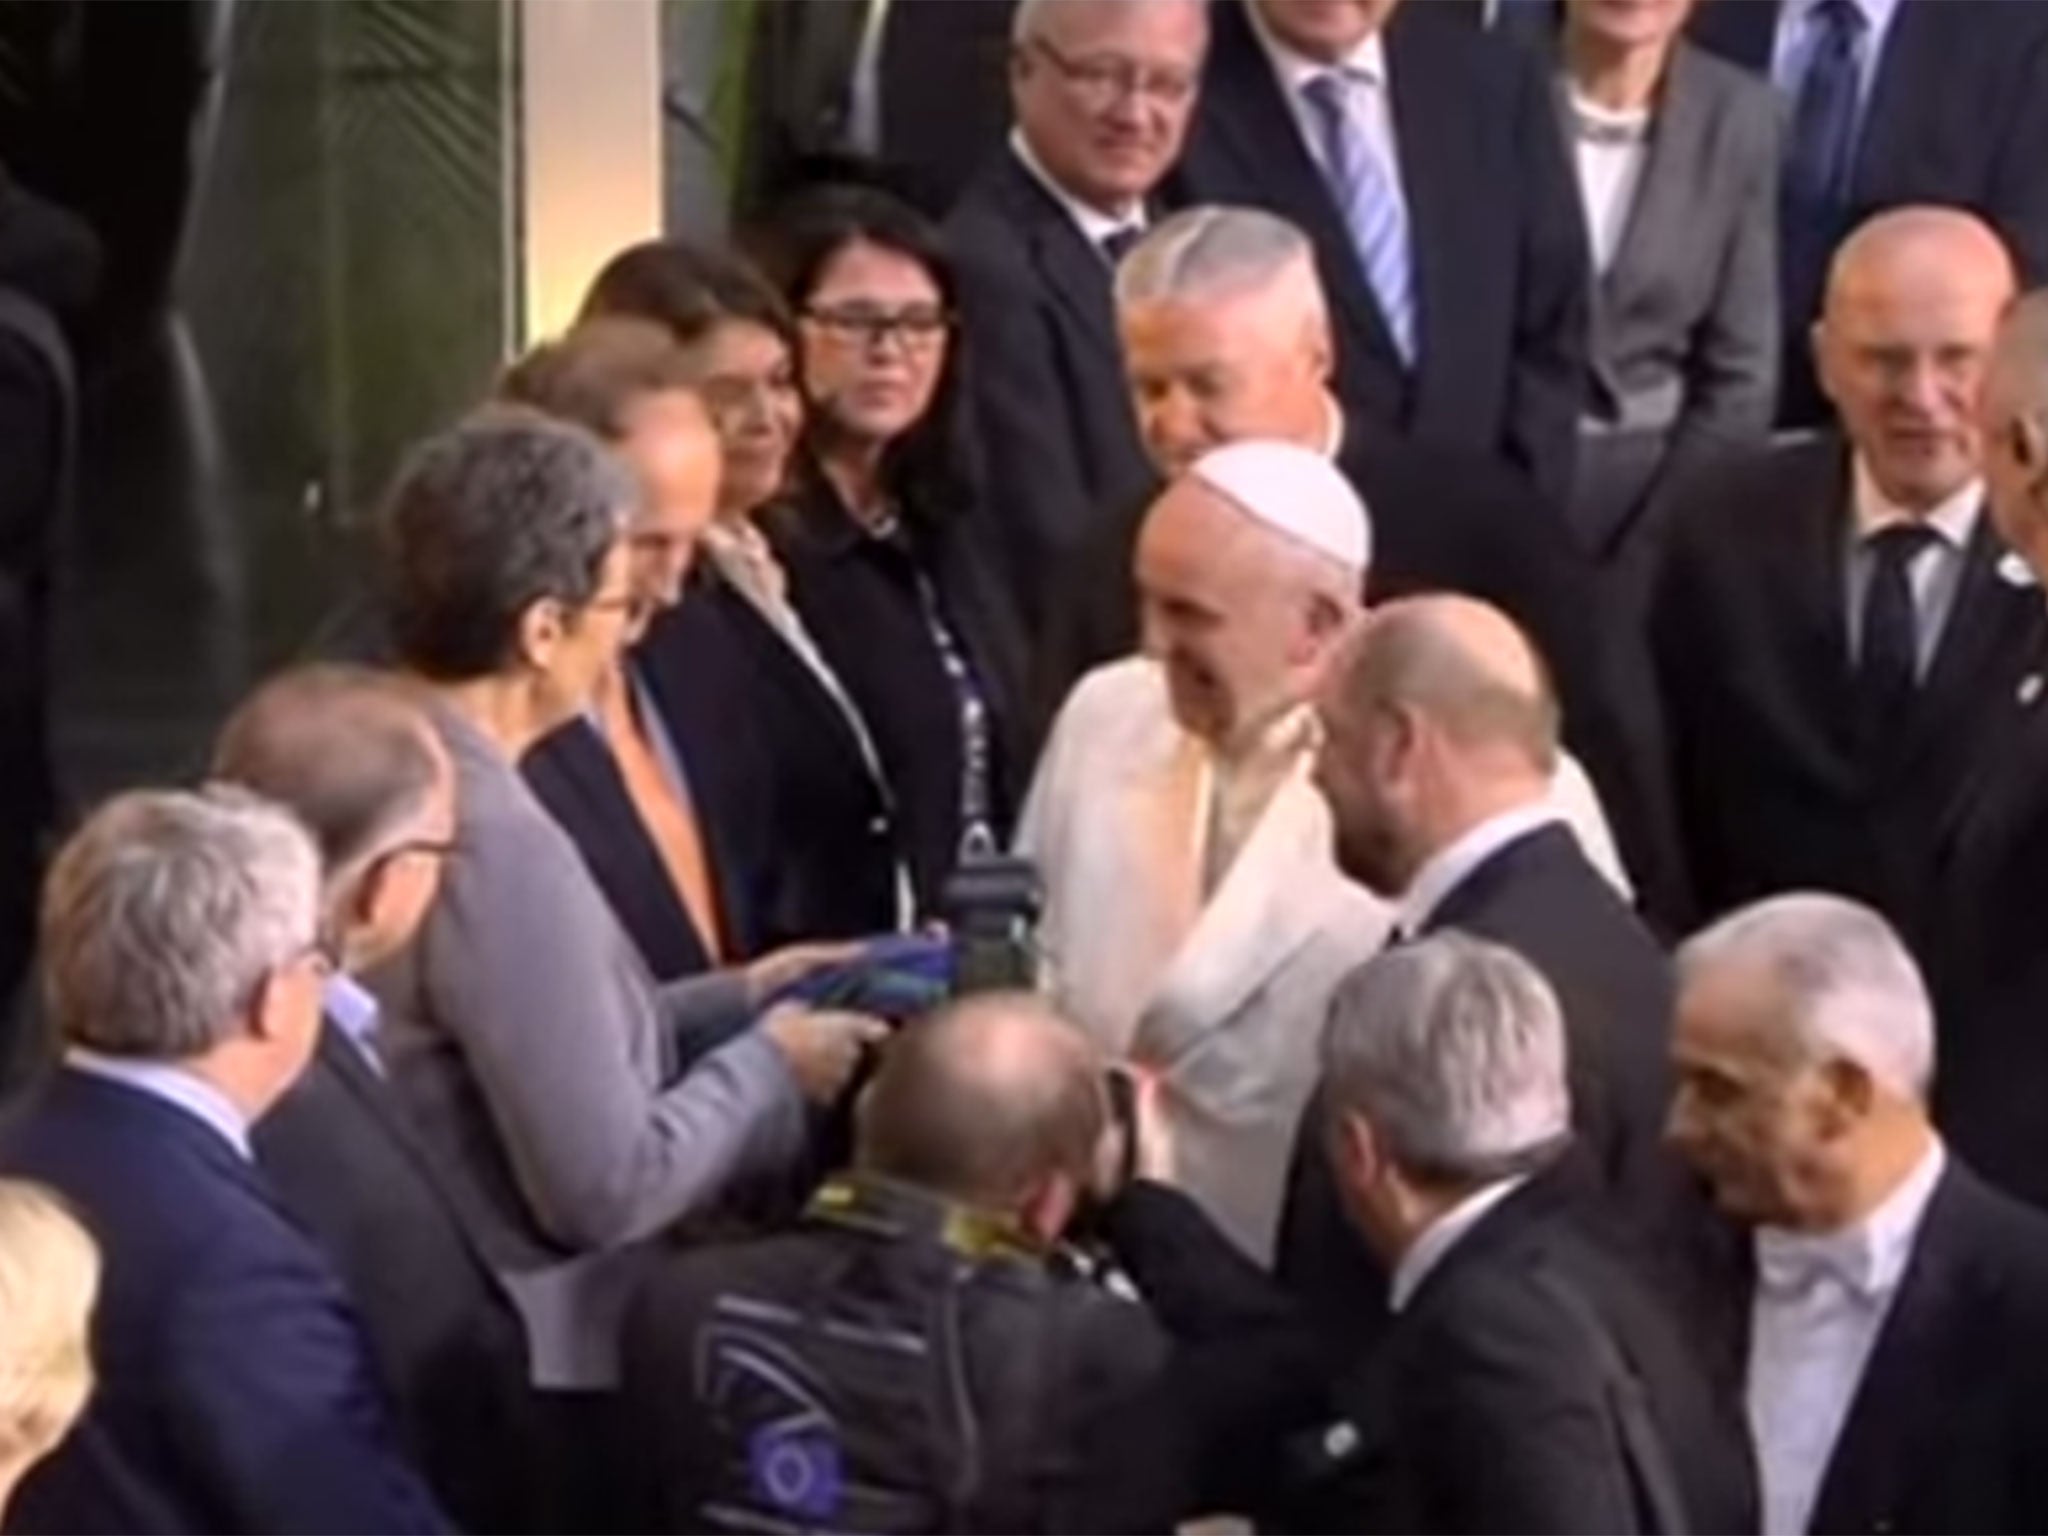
(525,1032)
(49,1279)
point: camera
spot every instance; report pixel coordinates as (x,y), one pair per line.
(991,906)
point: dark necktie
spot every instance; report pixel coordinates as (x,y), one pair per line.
(1888,660)
(1116,245)
(1814,194)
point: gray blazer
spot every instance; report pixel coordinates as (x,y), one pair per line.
(538,1057)
(1684,343)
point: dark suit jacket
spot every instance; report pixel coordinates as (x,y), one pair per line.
(859,598)
(1485,1407)
(574,774)
(1685,330)
(1972,1308)
(346,1163)
(1957,115)
(1539,897)
(1750,635)
(1499,253)
(236,1392)
(745,713)
(1982,946)
(1059,439)
(1452,522)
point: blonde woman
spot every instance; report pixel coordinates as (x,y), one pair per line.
(49,1279)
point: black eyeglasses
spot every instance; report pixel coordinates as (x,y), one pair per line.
(918,327)
(1102,81)
(418,847)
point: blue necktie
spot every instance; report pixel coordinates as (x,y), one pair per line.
(1363,186)
(1820,151)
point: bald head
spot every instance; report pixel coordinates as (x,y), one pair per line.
(986,1101)
(1913,305)
(345,749)
(1437,716)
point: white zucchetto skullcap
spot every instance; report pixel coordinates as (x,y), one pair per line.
(1294,491)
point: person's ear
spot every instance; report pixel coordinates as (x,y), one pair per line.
(1355,1151)
(1848,1096)
(541,628)
(2028,442)
(1823,357)
(1047,1209)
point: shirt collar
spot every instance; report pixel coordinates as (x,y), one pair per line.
(1954,519)
(353,1008)
(1296,69)
(1442,1235)
(1449,866)
(168,1084)
(1095,225)
(1869,1257)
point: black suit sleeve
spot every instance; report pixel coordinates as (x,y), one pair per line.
(1516,1430)
(1551,310)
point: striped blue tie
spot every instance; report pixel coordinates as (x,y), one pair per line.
(1363,185)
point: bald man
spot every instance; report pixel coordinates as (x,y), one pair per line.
(1836,624)
(827,1377)
(1439,741)
(1196,921)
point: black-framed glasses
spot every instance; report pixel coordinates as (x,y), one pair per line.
(919,327)
(1104,80)
(418,848)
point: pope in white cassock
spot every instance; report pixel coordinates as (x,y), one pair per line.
(1195,922)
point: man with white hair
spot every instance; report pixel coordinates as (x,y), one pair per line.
(183,965)
(1195,917)
(1101,91)
(1529,1380)
(1226,337)
(1896,1318)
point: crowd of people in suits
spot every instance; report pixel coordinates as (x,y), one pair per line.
(1491,559)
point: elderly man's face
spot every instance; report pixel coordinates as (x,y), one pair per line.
(1753,1118)
(1325,29)
(1206,373)
(1233,634)
(1902,353)
(1103,90)
(672,446)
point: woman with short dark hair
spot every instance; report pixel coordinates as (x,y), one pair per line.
(874,536)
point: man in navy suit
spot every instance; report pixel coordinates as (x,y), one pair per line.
(354,758)
(183,967)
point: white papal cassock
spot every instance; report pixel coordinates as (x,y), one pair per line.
(1222,999)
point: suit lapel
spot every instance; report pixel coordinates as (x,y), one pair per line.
(1679,145)
(1815,607)
(1431,127)
(1912,66)
(1987,622)
(1075,272)
(1925,1338)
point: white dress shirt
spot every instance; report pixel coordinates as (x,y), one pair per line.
(1449,867)
(1096,226)
(1792,47)
(355,1011)
(171,1085)
(1935,574)
(1371,110)
(1609,150)
(1441,1236)
(1821,1301)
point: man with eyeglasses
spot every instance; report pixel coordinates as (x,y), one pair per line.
(357,762)
(183,965)
(1102,92)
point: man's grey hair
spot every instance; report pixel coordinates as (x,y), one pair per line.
(164,914)
(1215,252)
(1028,20)
(1848,986)
(1453,1050)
